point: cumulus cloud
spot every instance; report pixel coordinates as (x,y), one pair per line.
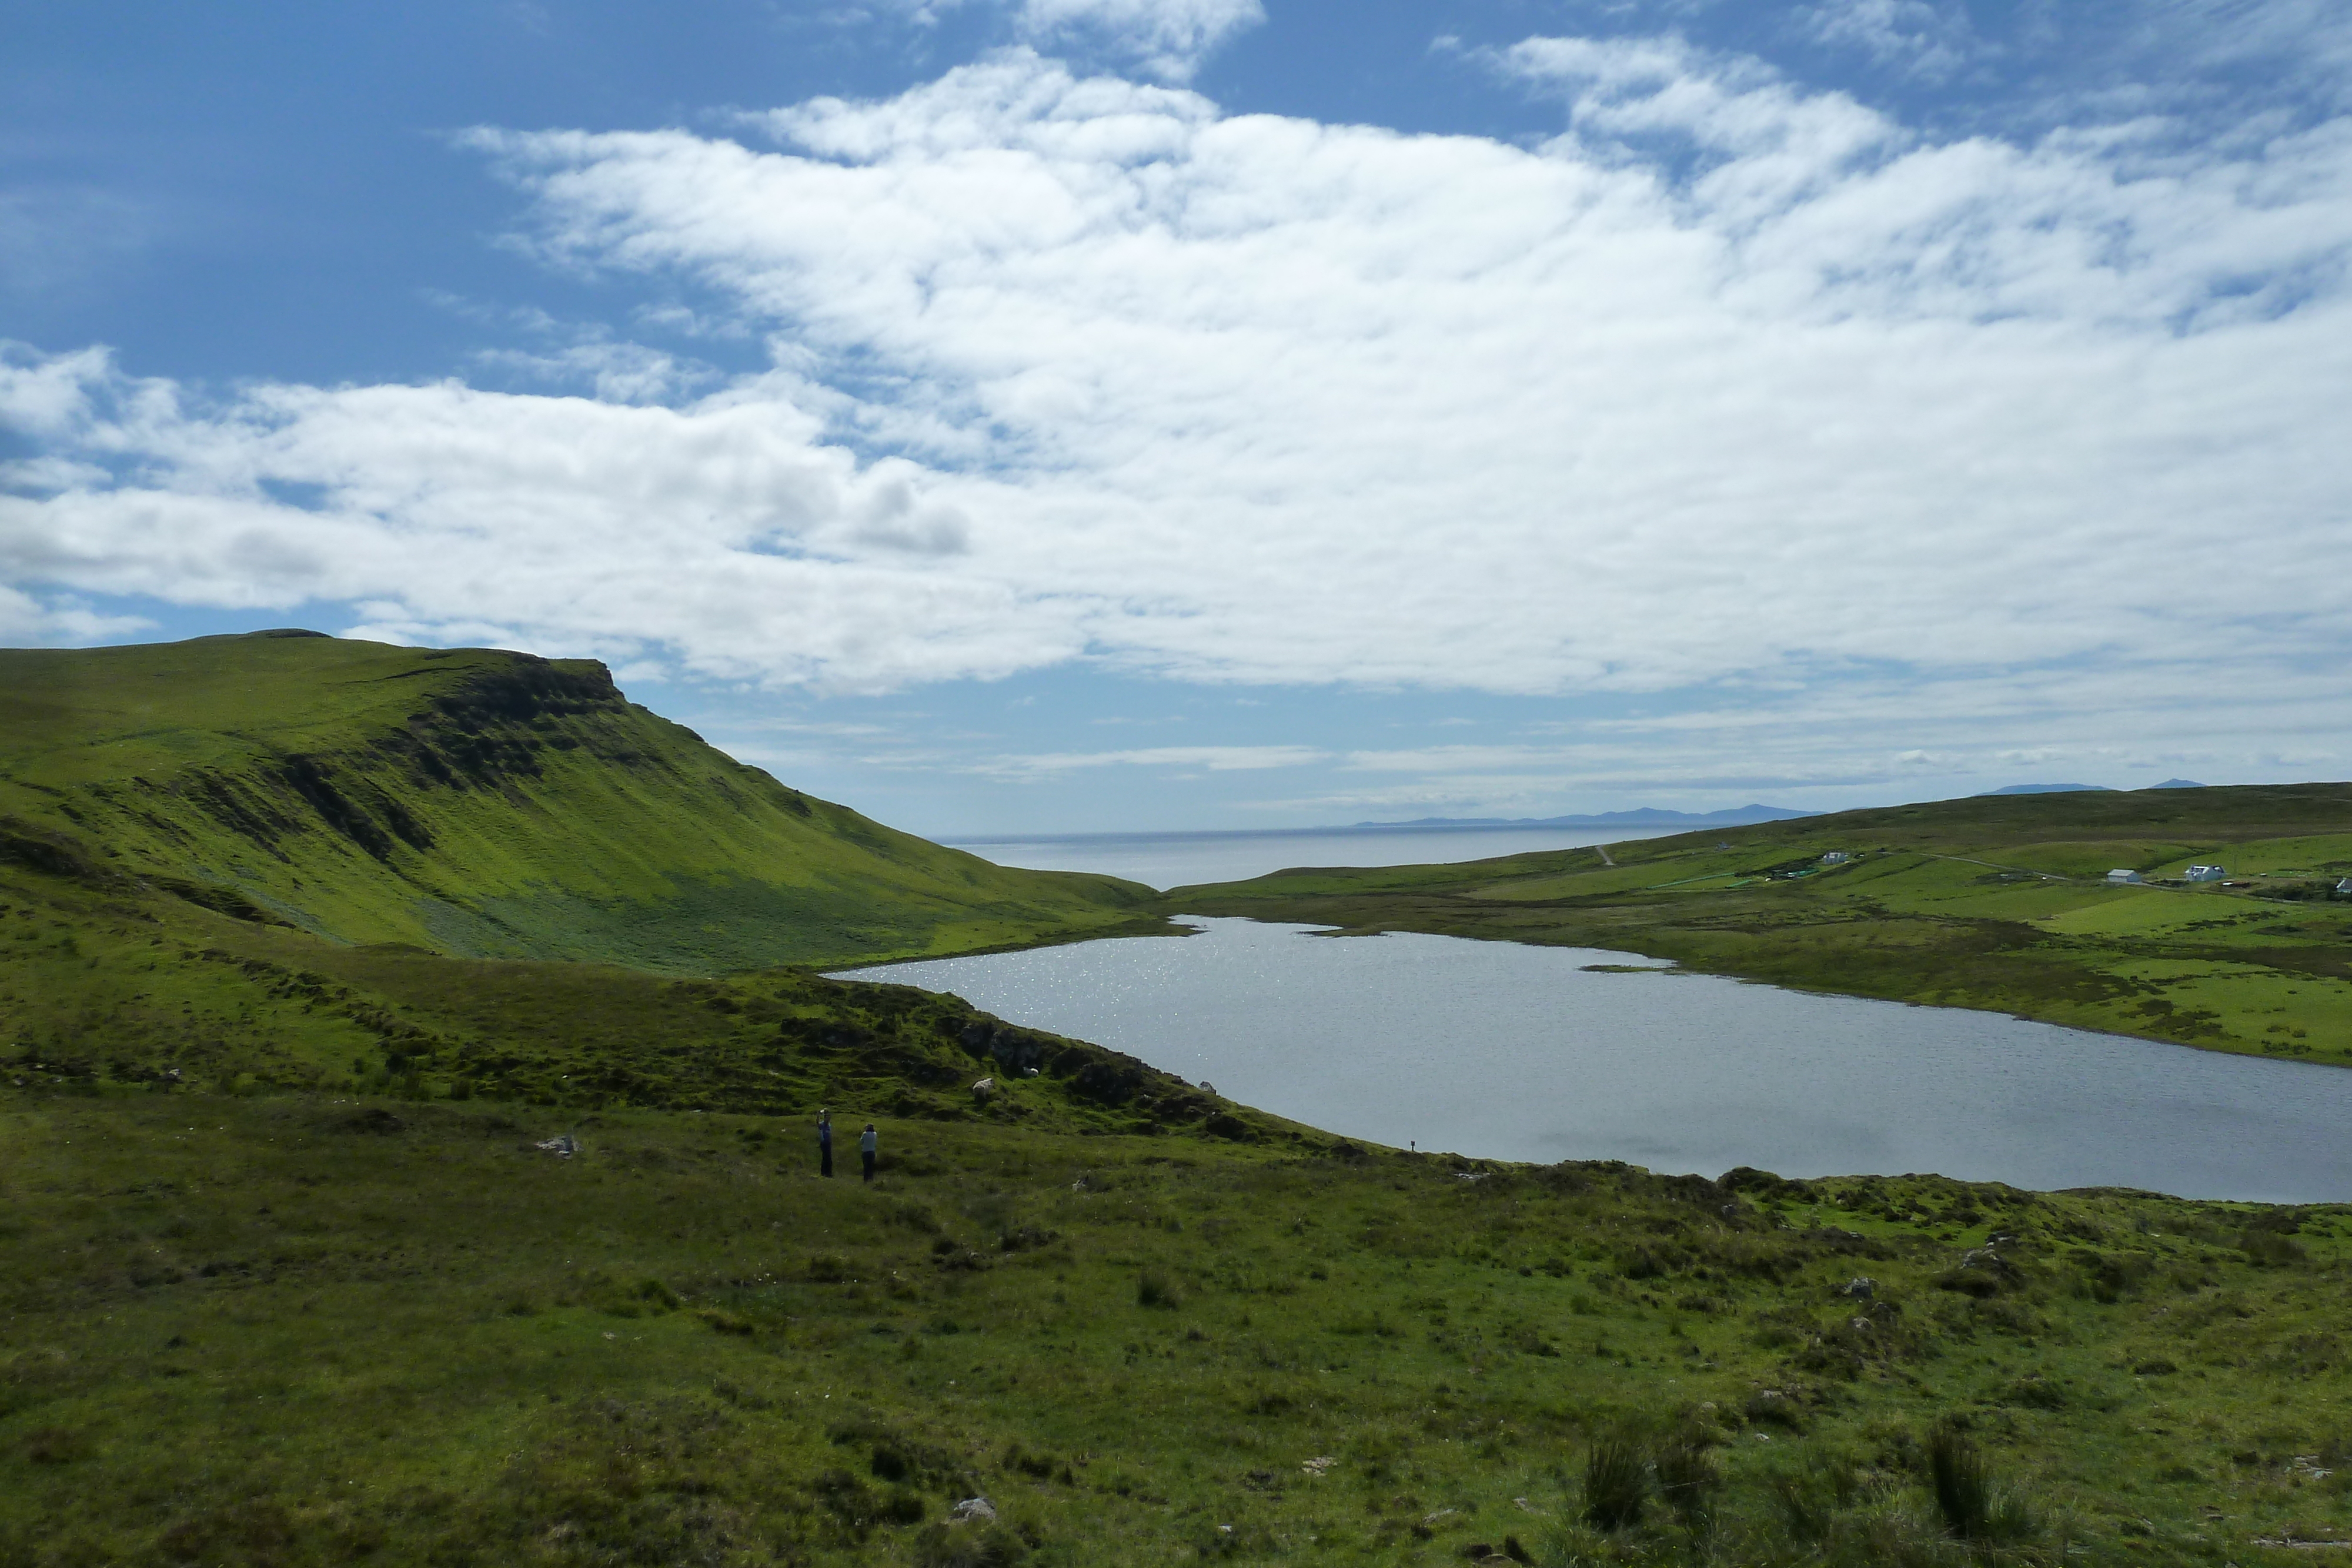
(725,531)
(1732,386)
(27,621)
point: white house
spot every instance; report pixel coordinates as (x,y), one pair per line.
(2345,887)
(2204,873)
(2123,875)
(1836,857)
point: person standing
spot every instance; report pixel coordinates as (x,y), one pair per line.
(867,1143)
(825,1143)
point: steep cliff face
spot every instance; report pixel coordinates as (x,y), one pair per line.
(474,802)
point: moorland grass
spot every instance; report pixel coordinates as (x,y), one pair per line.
(108,993)
(324,1329)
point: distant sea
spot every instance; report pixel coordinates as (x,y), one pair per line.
(1182,859)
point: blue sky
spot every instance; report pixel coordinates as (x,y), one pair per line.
(1080,415)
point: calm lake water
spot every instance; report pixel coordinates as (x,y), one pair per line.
(1502,1052)
(1180,860)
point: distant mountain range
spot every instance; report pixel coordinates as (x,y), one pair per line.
(2043,789)
(1645,817)
(1735,817)
(2072,788)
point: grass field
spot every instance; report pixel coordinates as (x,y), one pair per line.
(327,1329)
(1999,903)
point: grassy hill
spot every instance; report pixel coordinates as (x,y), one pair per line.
(307,950)
(475,803)
(1994,901)
(110,996)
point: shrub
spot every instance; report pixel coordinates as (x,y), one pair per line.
(1616,1481)
(1809,1497)
(256,1531)
(2267,1249)
(1687,1481)
(1643,1263)
(1038,1467)
(1153,1289)
(1962,1482)
(969,1546)
(55,1445)
(2037,1392)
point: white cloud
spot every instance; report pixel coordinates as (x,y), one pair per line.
(727,531)
(1169,38)
(1734,385)
(28,622)
(1921,39)
(58,241)
(1215,758)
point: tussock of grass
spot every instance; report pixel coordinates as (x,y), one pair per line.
(1616,1481)
(1962,1481)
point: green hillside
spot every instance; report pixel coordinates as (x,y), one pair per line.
(1994,901)
(471,803)
(309,950)
(306,1331)
(111,998)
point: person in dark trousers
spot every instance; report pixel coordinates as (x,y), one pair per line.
(825,1143)
(865,1146)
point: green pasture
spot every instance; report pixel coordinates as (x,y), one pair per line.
(332,1327)
(2318,853)
(2091,860)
